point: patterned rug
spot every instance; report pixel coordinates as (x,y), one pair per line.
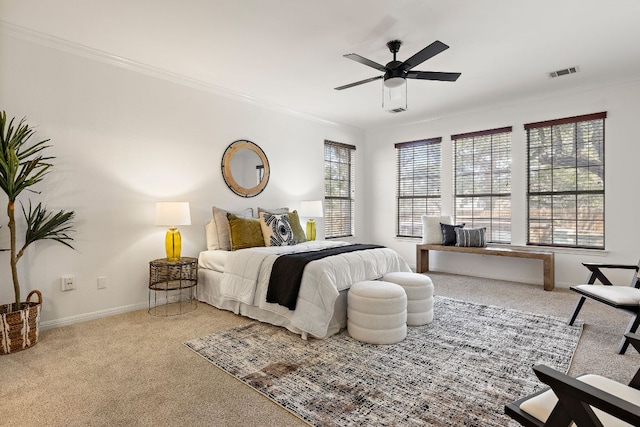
(458,371)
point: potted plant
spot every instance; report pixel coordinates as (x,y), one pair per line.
(23,165)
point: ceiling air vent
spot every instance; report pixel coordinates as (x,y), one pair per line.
(397,110)
(564,72)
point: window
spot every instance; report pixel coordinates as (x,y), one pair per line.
(566,182)
(339,190)
(483,181)
(418,168)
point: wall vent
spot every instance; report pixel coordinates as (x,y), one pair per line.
(397,110)
(564,72)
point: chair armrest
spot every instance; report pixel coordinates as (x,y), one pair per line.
(594,265)
(634,340)
(596,274)
(574,394)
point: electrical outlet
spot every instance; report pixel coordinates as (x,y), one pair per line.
(68,283)
(102,282)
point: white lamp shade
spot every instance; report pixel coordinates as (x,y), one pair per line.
(173,213)
(311,209)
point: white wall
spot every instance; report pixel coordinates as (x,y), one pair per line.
(622,152)
(125,140)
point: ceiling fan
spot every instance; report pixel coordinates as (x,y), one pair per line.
(396,72)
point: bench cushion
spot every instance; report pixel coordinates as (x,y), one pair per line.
(618,295)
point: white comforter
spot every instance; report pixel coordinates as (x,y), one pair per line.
(247,272)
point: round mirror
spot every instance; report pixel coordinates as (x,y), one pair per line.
(245,168)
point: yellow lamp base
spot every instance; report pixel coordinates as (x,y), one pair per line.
(173,244)
(311,230)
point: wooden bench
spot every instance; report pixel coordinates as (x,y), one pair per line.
(422,258)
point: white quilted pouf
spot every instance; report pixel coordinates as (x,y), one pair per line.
(419,290)
(377,312)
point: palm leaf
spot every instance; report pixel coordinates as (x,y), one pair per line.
(21,162)
(43,225)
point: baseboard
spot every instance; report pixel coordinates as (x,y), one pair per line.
(65,321)
(526,280)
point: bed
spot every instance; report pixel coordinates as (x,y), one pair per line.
(238,280)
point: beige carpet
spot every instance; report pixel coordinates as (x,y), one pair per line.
(133,369)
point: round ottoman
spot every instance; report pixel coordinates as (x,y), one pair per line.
(419,289)
(377,312)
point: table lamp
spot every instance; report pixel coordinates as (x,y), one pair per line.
(171,214)
(311,209)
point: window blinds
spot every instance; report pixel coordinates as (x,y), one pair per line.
(483,181)
(566,181)
(339,189)
(418,184)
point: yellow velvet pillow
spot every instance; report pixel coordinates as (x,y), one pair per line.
(298,232)
(244,232)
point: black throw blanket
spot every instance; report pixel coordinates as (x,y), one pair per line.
(286,273)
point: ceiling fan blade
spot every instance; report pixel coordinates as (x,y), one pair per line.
(428,52)
(365,61)
(433,75)
(358,83)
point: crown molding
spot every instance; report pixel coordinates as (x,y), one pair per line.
(87,52)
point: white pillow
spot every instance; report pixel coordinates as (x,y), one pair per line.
(212,235)
(431,231)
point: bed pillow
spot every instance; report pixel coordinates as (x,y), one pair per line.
(276,229)
(449,233)
(298,232)
(273,211)
(294,222)
(471,237)
(212,235)
(244,232)
(219,228)
(431,231)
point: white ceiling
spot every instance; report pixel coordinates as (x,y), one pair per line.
(288,53)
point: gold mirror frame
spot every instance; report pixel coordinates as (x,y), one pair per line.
(227,174)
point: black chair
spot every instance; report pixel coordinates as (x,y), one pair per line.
(626,298)
(588,400)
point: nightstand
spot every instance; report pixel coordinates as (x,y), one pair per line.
(173,286)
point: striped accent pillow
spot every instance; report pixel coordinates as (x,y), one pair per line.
(276,229)
(471,237)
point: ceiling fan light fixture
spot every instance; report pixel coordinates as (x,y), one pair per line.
(397,72)
(394,82)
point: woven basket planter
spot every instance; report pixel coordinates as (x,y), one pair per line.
(19,330)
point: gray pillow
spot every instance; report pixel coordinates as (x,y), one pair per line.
(471,237)
(272,211)
(449,233)
(221,239)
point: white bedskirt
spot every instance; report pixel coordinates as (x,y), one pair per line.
(209,292)
(321,304)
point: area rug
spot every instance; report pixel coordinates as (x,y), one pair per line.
(458,371)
